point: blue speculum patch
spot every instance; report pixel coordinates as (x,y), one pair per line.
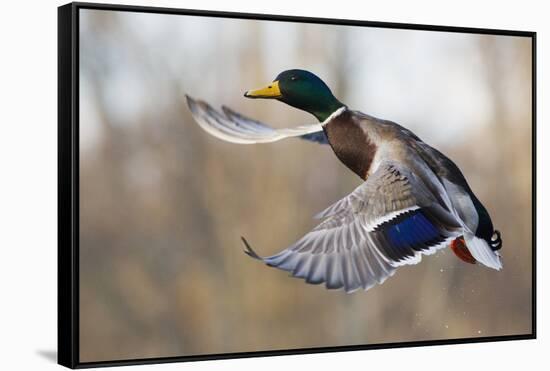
(411,231)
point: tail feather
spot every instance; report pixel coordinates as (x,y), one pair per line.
(482,252)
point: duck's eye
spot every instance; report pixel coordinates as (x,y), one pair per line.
(294,78)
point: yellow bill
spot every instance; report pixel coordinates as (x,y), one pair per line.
(271,91)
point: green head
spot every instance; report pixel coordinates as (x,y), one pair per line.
(300,89)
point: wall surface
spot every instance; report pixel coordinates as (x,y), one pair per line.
(28,197)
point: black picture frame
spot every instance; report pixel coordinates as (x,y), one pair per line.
(68,182)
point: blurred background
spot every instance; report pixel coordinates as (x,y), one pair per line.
(163,204)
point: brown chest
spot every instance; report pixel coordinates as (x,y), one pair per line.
(351,144)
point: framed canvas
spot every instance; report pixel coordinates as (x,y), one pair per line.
(239,185)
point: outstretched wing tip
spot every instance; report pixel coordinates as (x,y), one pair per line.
(234,127)
(249,251)
(190,100)
(192,103)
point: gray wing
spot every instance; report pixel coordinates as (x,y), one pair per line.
(388,221)
(233,127)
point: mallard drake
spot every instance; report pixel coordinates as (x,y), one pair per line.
(413,200)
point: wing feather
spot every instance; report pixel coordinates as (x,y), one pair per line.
(388,221)
(234,127)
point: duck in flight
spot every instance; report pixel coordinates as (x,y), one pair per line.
(413,200)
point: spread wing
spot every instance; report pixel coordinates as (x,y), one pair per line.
(233,127)
(388,221)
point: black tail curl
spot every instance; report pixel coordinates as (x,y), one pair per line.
(496,241)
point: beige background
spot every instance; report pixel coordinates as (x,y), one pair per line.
(163,204)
